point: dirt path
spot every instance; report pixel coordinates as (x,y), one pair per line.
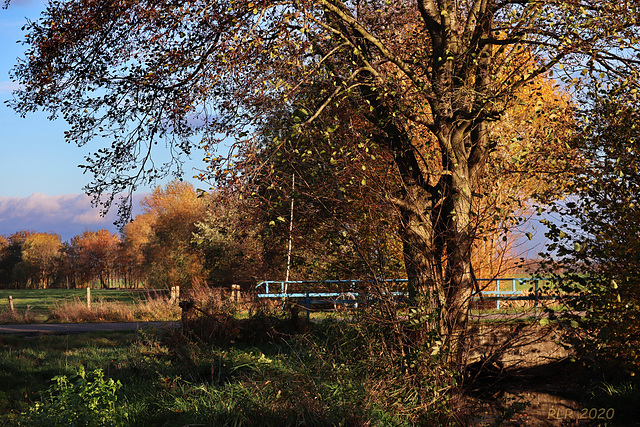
(75,328)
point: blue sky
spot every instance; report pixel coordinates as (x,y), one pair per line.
(40,181)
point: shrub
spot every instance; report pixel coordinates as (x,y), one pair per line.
(17,316)
(82,400)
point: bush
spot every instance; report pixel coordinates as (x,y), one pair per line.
(82,400)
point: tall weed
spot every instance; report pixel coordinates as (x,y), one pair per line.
(157,309)
(17,316)
(366,368)
(376,374)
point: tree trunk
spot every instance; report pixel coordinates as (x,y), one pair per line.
(436,222)
(437,231)
(441,279)
(422,252)
(459,278)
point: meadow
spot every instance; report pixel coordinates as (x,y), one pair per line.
(275,376)
(70,305)
(128,305)
(42,299)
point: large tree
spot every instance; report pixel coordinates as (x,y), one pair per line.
(344,182)
(427,76)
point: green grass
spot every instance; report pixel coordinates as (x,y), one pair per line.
(618,399)
(166,380)
(28,364)
(36,305)
(44,299)
(330,374)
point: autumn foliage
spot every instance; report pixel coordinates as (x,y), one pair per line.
(182,238)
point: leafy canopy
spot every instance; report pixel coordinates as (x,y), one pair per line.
(184,74)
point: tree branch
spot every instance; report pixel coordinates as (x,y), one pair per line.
(355,24)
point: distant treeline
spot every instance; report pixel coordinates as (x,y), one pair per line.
(184,238)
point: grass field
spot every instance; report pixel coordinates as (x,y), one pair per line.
(320,377)
(69,305)
(239,370)
(44,299)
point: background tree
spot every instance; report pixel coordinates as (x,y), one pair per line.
(171,258)
(5,271)
(92,255)
(136,236)
(43,253)
(230,237)
(532,162)
(139,72)
(11,257)
(343,226)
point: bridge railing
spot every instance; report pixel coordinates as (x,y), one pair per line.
(354,291)
(322,288)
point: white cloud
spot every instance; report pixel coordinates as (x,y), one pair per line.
(7,86)
(66,215)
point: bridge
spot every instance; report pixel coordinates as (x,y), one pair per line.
(351,292)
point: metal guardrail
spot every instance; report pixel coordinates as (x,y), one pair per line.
(352,295)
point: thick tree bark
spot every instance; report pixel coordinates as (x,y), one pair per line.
(436,224)
(422,247)
(438,233)
(459,277)
(439,269)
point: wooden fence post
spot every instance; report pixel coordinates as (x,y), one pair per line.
(89,297)
(175,294)
(235,293)
(11,303)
